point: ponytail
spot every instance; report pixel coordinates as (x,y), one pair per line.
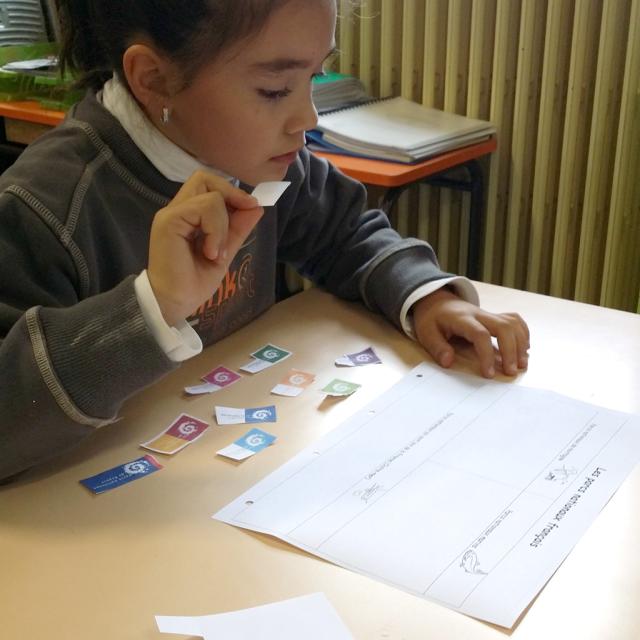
(83,50)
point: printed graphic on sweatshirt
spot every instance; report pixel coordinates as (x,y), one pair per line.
(238,282)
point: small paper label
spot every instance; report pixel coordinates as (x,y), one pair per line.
(340,388)
(367,356)
(231,415)
(249,444)
(268,193)
(181,432)
(294,383)
(222,377)
(265,357)
(122,474)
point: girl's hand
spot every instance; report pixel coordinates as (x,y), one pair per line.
(194,239)
(443,317)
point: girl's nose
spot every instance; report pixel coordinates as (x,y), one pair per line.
(304,116)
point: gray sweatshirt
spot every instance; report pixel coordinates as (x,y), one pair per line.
(75,217)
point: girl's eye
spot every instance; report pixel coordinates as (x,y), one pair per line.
(274,95)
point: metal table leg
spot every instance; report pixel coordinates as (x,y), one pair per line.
(474,185)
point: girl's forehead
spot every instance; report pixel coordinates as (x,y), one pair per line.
(298,35)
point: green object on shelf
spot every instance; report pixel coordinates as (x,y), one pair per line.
(49,89)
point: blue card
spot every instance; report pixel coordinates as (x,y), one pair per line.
(255,440)
(260,414)
(122,474)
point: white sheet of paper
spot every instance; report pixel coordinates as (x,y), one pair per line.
(461,490)
(310,617)
(268,193)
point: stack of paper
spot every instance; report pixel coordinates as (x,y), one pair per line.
(336,90)
(396,129)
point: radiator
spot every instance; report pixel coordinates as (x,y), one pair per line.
(560,79)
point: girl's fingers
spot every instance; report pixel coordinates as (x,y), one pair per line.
(475,332)
(202,182)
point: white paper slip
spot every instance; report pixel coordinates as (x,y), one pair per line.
(235,452)
(255,365)
(457,489)
(268,193)
(310,617)
(201,389)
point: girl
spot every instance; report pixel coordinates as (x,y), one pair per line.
(127,237)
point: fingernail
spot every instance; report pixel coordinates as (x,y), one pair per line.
(491,372)
(223,254)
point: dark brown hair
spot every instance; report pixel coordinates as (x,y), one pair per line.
(96,33)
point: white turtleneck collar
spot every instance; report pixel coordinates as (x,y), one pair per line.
(168,158)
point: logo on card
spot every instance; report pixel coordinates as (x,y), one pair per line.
(133,468)
(364,357)
(297,379)
(187,428)
(255,440)
(222,377)
(341,387)
(271,354)
(261,414)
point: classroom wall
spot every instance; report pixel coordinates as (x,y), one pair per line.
(561,81)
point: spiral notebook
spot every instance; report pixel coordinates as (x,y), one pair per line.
(395,129)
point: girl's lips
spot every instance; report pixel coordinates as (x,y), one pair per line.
(287,158)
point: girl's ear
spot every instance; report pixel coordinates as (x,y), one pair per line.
(148,75)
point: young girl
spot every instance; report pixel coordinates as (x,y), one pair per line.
(128,239)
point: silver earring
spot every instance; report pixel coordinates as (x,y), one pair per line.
(165,115)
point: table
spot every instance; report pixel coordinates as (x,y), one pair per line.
(77,565)
(398,177)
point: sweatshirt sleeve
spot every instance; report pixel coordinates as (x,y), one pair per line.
(66,364)
(329,236)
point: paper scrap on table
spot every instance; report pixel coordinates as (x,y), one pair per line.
(340,388)
(268,193)
(464,491)
(217,379)
(264,358)
(184,430)
(310,617)
(231,415)
(294,383)
(122,474)
(367,356)
(248,445)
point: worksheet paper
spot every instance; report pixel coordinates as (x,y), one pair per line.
(460,490)
(309,617)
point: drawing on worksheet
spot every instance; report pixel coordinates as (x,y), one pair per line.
(460,490)
(561,475)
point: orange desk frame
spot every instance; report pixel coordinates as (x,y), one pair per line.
(31,112)
(395,174)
